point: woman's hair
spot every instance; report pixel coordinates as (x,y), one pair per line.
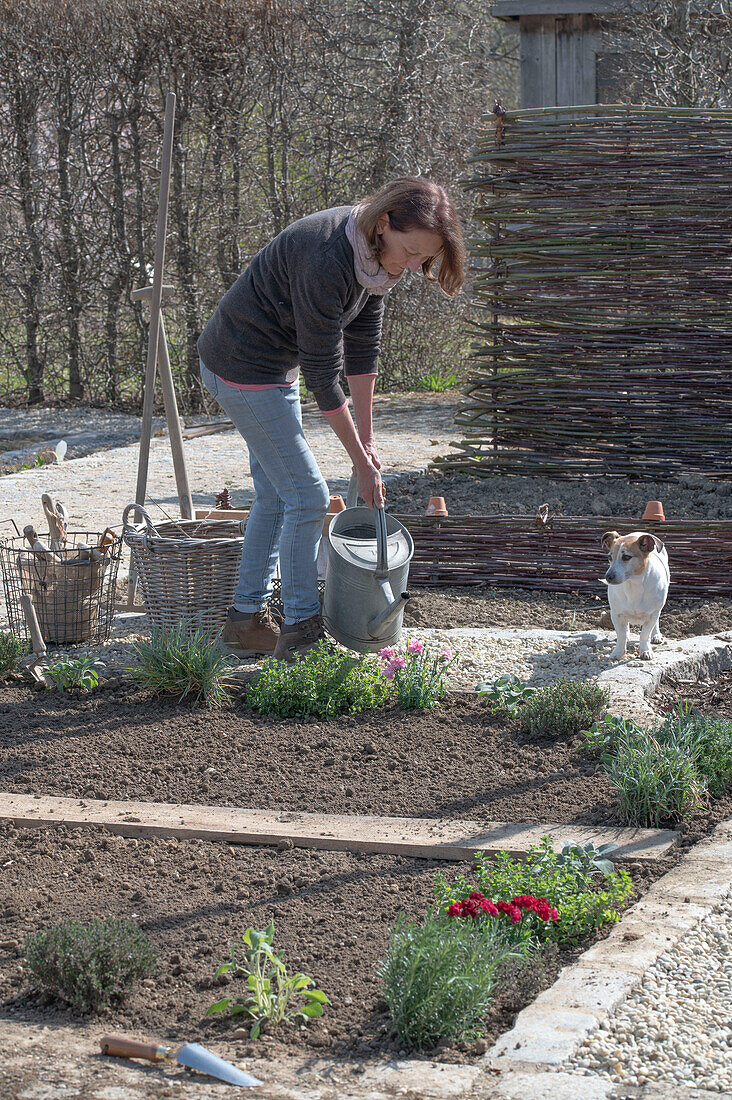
(414,202)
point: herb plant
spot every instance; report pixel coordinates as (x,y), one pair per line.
(585,860)
(325,681)
(562,709)
(271,994)
(438,979)
(582,902)
(437,382)
(12,649)
(656,782)
(604,734)
(89,964)
(418,676)
(185,661)
(78,674)
(507,693)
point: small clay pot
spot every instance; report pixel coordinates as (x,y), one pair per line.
(337,504)
(436,507)
(654,512)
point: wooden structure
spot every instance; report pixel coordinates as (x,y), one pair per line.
(604,328)
(561,56)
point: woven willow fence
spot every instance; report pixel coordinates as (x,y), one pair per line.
(605,342)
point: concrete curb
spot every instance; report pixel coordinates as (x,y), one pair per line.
(549,1032)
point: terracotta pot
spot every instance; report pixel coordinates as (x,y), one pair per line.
(336,505)
(436,507)
(654,512)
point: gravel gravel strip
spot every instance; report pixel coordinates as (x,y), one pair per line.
(537,657)
(676,1028)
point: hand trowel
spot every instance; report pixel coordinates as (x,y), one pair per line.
(190,1055)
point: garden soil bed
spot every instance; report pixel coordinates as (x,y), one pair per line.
(332,910)
(457,761)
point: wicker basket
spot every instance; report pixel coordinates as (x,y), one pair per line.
(188,569)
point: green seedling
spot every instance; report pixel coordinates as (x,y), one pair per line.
(79,674)
(506,693)
(270,993)
(585,859)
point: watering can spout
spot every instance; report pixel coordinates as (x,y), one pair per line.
(387,616)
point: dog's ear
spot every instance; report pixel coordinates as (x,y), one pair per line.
(609,538)
(646,543)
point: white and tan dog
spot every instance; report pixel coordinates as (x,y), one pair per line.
(637,580)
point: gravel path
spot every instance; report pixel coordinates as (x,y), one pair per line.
(676,1028)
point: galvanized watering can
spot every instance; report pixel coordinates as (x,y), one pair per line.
(365,583)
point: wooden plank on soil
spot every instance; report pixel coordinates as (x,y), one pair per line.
(426,838)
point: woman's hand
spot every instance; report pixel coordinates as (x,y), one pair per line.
(370,485)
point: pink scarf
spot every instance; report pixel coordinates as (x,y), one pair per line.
(369,272)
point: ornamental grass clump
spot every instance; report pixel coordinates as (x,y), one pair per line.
(582,895)
(562,709)
(324,682)
(438,979)
(11,650)
(656,781)
(89,964)
(185,661)
(417,675)
(666,774)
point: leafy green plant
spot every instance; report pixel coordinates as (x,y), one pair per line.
(184,661)
(91,963)
(507,693)
(604,734)
(562,709)
(417,675)
(437,382)
(271,993)
(11,650)
(583,904)
(585,860)
(438,979)
(77,674)
(39,460)
(655,781)
(709,740)
(325,681)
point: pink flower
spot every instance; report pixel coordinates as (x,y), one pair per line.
(393,667)
(415,647)
(446,655)
(387,653)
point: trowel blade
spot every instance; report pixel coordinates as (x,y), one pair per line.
(204,1061)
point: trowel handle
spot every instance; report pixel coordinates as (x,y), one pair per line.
(120,1047)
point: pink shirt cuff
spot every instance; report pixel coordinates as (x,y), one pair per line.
(332,412)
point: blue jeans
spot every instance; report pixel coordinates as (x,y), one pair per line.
(292,498)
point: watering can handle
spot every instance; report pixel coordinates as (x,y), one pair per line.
(382,564)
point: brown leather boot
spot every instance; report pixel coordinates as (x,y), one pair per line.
(249,635)
(296,640)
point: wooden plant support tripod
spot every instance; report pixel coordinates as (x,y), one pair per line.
(157,353)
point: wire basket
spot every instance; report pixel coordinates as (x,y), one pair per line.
(188,569)
(73,588)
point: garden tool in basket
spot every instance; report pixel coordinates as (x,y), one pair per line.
(58,521)
(368,561)
(35,663)
(190,1055)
